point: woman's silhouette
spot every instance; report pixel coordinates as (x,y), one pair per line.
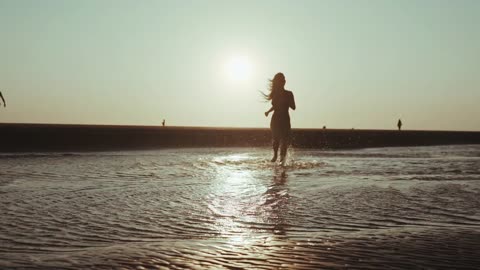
(4,103)
(282,100)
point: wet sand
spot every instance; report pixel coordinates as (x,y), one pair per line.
(52,137)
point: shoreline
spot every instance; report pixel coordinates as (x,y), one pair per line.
(65,137)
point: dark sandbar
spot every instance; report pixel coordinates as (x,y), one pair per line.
(54,137)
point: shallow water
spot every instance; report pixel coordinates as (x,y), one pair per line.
(404,208)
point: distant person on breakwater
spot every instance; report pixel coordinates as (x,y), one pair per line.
(4,103)
(163,123)
(399,124)
(282,101)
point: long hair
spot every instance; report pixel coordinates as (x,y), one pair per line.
(276,85)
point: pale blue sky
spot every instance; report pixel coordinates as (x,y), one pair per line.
(356,63)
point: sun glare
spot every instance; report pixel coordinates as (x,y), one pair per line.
(239,68)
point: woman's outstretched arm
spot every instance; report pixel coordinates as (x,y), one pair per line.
(269,111)
(292,103)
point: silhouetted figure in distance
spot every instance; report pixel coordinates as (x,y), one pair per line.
(399,124)
(4,103)
(163,123)
(282,101)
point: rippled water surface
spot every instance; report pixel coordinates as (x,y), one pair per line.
(405,208)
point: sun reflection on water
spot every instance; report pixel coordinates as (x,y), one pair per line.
(249,205)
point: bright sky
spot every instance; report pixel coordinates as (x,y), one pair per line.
(360,64)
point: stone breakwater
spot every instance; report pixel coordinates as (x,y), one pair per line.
(52,137)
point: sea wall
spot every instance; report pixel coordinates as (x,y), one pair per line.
(48,137)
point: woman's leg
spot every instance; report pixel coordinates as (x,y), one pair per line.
(283,150)
(276,144)
(285,142)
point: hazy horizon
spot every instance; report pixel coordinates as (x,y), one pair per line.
(350,64)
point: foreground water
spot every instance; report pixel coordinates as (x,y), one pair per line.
(403,208)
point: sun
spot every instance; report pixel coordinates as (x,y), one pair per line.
(239,68)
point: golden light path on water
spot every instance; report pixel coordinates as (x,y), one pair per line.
(232,184)
(251,214)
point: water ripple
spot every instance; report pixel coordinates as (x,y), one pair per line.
(232,208)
